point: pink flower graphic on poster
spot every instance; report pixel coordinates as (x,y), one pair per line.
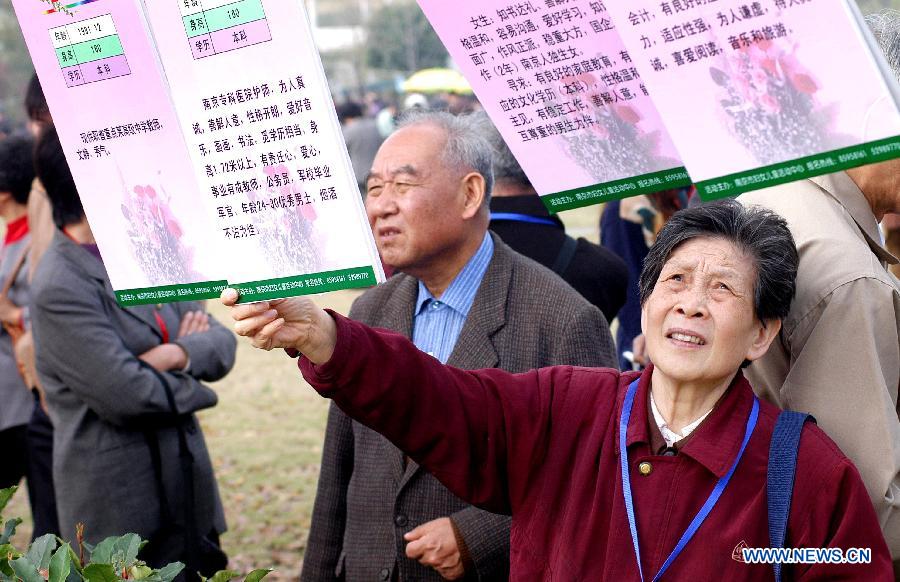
(614,146)
(156,236)
(284,215)
(770,102)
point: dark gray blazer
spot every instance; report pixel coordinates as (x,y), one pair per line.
(523,317)
(101,399)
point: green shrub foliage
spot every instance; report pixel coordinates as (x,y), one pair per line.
(50,559)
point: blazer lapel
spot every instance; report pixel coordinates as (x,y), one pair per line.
(397,312)
(397,315)
(141,313)
(474,350)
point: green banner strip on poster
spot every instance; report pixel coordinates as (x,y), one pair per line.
(171,293)
(599,193)
(306,284)
(824,163)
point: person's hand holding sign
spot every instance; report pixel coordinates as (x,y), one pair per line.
(295,323)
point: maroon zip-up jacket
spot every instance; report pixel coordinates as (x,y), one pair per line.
(543,446)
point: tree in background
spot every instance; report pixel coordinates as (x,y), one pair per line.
(15,66)
(870,6)
(399,38)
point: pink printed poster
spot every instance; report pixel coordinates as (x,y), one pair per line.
(758,93)
(203,157)
(559,84)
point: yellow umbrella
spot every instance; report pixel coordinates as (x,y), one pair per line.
(437,81)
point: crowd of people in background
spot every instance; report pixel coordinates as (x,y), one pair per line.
(490,425)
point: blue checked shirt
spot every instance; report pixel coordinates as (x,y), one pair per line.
(438,322)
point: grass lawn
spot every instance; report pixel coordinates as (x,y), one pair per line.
(265,438)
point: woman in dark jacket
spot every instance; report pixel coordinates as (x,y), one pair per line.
(122,388)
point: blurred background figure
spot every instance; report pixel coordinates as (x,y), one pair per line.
(363,139)
(838,354)
(16,175)
(415,102)
(628,228)
(40,215)
(520,218)
(891,227)
(41,491)
(122,387)
(34,436)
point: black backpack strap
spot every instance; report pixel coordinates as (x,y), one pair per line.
(564,258)
(780,475)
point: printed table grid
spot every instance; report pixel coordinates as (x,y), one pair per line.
(218,26)
(89,51)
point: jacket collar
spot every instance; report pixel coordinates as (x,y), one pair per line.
(397,312)
(715,443)
(845,191)
(95,269)
(486,316)
(80,257)
(460,294)
(474,348)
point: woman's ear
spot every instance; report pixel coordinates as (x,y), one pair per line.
(766,332)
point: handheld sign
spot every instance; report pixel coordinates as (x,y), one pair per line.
(202,155)
(562,89)
(759,93)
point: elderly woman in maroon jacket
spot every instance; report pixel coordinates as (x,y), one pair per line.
(545,446)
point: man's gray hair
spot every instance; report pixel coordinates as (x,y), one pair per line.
(885,25)
(466,148)
(506,166)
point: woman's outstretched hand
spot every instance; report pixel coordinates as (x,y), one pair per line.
(295,323)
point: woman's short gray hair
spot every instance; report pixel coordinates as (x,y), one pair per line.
(760,233)
(885,25)
(466,148)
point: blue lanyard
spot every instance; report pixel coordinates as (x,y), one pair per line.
(710,501)
(514,217)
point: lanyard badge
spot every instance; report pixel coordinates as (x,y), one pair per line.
(707,506)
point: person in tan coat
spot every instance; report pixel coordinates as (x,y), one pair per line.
(838,354)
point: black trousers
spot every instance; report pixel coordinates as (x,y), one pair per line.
(13,442)
(41,492)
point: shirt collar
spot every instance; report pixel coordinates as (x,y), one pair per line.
(460,295)
(16,230)
(845,191)
(716,442)
(670,436)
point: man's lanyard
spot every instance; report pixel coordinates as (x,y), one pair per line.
(710,501)
(515,217)
(163,328)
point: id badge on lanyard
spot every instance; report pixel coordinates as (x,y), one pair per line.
(707,506)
